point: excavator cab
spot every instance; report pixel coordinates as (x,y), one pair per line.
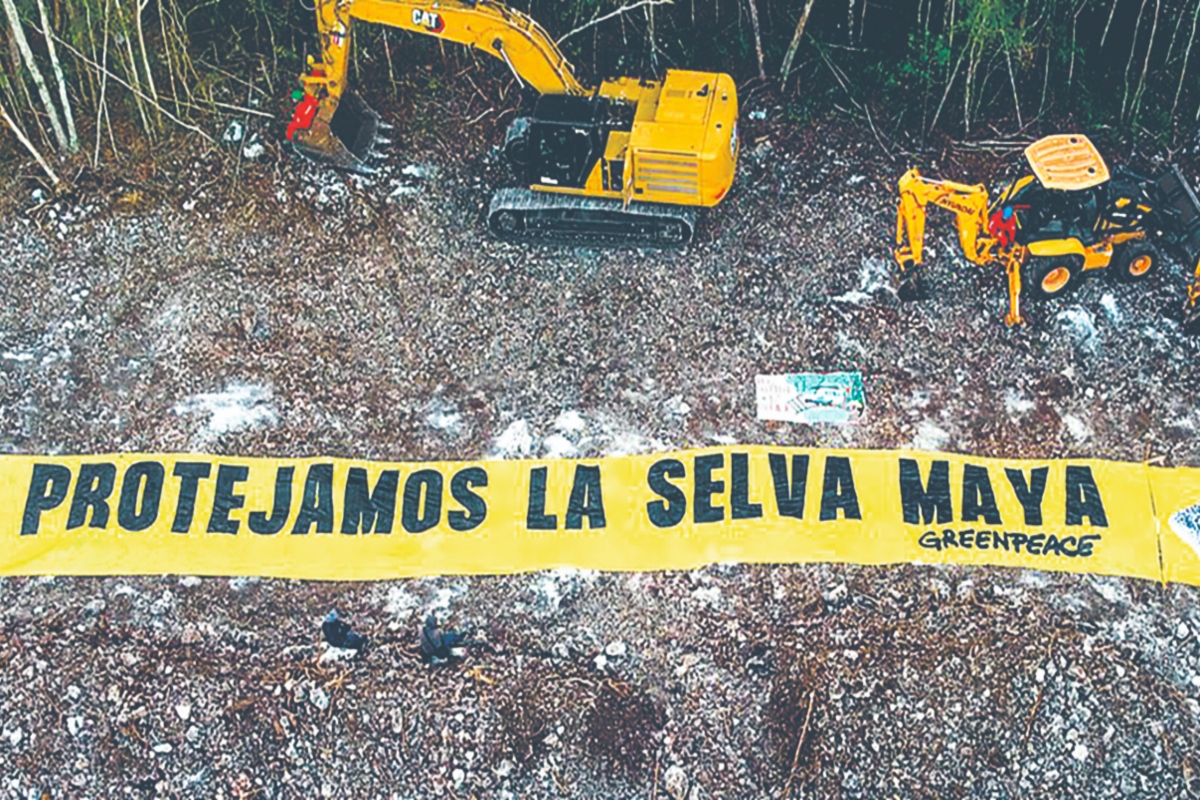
(564,139)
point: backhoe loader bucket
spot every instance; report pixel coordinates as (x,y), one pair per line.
(348,140)
(1175,194)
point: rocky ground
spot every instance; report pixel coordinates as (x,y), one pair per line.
(241,302)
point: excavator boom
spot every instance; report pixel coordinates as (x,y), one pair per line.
(343,128)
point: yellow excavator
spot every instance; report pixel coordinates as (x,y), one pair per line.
(1048,230)
(628,161)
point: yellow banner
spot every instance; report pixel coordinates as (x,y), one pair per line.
(354,520)
(1176,495)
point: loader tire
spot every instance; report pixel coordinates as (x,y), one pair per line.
(1048,277)
(1135,261)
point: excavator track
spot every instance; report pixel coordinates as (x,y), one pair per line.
(523,215)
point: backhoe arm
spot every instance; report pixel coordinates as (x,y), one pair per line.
(969,204)
(982,243)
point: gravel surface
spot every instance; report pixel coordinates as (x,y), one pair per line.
(260,306)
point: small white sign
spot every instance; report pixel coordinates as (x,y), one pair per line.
(835,398)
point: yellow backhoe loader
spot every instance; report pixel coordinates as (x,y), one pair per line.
(1049,229)
(628,161)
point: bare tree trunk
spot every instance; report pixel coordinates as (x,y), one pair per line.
(946,93)
(653,45)
(1071,69)
(1129,63)
(23,139)
(1137,95)
(135,82)
(795,45)
(102,108)
(72,134)
(1046,85)
(762,75)
(1186,55)
(141,6)
(18,30)
(1111,11)
(91,36)
(1013,81)
(166,43)
(972,67)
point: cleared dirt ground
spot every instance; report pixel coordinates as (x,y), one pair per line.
(263,307)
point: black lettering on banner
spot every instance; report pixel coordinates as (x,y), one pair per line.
(837,491)
(705,487)
(977,496)
(670,513)
(586,499)
(923,503)
(460,490)
(224,500)
(92,490)
(373,511)
(742,508)
(47,489)
(790,500)
(142,481)
(1029,495)
(418,516)
(190,473)
(536,518)
(1038,544)
(259,522)
(316,506)
(1083,498)
(1052,547)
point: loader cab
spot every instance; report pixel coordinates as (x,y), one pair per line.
(1056,213)
(1068,195)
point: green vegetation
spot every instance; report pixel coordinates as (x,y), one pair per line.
(94,79)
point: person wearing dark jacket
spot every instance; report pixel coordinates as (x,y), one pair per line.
(439,646)
(339,634)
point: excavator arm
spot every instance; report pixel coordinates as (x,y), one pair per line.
(337,127)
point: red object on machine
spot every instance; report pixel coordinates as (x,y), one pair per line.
(302,117)
(1002,225)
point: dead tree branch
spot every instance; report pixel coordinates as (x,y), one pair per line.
(612,14)
(20,134)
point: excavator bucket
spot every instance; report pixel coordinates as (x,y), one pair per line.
(348,140)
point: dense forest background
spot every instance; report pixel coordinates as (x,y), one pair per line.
(97,81)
